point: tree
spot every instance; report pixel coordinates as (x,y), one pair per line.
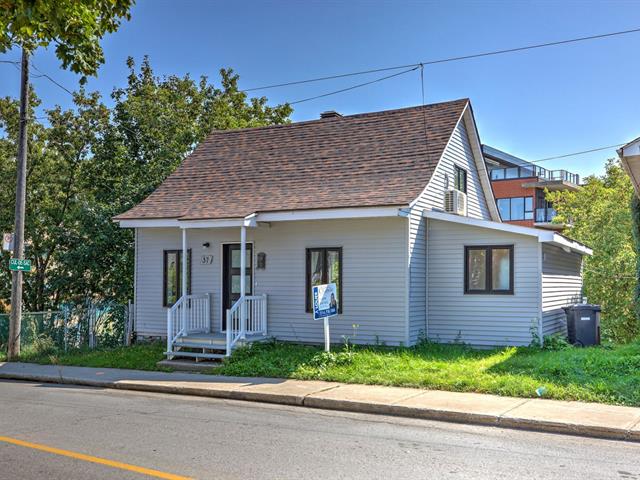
(92,162)
(76,28)
(602,219)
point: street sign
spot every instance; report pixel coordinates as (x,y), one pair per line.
(19,265)
(7,242)
(325,303)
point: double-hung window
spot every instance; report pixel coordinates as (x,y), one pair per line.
(324,265)
(488,270)
(516,208)
(172,276)
(460,179)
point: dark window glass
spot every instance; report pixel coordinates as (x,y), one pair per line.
(324,265)
(172,276)
(460,179)
(489,270)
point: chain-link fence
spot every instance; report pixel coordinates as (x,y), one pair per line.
(89,324)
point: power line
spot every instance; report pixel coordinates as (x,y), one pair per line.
(597,149)
(353,87)
(449,59)
(52,80)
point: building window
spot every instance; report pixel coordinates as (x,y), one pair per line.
(488,270)
(324,265)
(172,276)
(460,179)
(516,208)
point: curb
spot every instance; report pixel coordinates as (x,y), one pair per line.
(307,400)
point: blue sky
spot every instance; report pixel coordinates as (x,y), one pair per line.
(533,104)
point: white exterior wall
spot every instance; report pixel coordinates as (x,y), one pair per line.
(561,286)
(458,152)
(374,276)
(480,320)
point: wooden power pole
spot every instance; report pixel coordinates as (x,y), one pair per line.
(21,199)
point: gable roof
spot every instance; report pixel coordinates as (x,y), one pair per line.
(364,160)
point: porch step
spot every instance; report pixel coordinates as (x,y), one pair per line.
(207,346)
(195,355)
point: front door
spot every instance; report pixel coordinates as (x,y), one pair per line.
(231,276)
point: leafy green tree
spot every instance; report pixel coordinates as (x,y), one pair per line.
(602,218)
(92,162)
(75,27)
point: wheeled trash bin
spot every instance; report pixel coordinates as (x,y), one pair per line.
(583,324)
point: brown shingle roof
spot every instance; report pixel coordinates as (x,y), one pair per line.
(370,159)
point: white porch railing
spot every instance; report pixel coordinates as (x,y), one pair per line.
(190,314)
(248,316)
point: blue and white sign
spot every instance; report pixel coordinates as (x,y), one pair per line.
(325,301)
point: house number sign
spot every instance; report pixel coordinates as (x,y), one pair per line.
(206,260)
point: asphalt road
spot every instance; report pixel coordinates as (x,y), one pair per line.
(220,439)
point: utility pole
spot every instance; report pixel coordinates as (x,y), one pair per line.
(21,199)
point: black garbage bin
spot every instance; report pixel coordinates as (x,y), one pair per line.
(583,324)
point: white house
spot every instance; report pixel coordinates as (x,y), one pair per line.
(395,207)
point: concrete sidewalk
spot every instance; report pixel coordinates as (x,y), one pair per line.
(576,418)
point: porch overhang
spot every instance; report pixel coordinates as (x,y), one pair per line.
(267,217)
(543,236)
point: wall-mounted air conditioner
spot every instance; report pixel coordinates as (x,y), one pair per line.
(455,202)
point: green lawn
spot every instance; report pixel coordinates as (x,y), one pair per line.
(143,356)
(597,374)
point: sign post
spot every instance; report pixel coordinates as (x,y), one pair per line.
(325,305)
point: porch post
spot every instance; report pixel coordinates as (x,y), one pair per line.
(243,270)
(185,254)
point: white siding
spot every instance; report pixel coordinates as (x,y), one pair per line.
(479,320)
(374,276)
(458,152)
(561,286)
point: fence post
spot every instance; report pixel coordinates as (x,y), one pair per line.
(129,327)
(91,324)
(66,330)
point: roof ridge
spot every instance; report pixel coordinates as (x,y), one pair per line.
(342,117)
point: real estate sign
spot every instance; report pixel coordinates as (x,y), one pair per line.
(325,303)
(19,265)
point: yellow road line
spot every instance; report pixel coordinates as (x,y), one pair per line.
(89,458)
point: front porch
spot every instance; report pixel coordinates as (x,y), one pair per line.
(190,331)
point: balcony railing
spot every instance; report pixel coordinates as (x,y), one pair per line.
(530,171)
(545,215)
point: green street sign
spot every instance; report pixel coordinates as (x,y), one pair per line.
(19,265)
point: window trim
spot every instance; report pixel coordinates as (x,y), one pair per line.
(456,174)
(308,301)
(178,252)
(489,270)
